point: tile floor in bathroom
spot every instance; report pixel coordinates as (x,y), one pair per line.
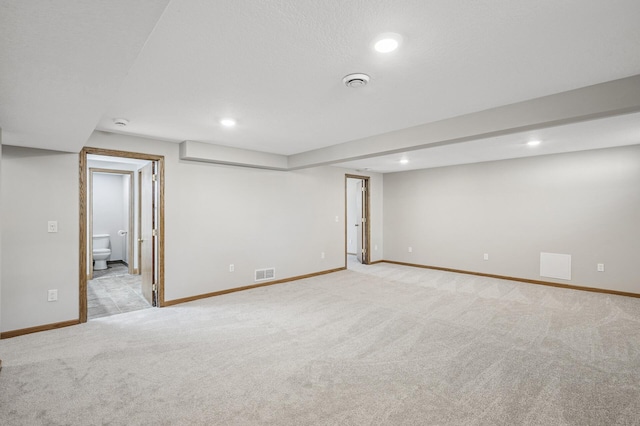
(113,291)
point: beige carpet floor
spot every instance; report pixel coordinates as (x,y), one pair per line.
(377,345)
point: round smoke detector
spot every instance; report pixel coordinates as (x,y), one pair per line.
(356,80)
(120,122)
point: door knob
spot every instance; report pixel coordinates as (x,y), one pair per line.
(140,240)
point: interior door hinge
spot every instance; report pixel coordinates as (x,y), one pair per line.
(154,287)
(364,220)
(364,251)
(154,177)
(154,232)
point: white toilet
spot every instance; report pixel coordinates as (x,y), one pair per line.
(101,251)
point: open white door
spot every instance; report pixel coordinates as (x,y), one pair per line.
(146,240)
(357,218)
(359,223)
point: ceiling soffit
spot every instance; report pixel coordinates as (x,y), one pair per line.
(589,103)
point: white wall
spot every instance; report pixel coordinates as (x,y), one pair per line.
(586,204)
(376,200)
(109,209)
(219,215)
(38,186)
(214,216)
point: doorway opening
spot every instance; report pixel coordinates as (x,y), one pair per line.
(113,282)
(121,232)
(357,223)
(111,214)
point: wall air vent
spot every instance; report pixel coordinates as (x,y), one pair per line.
(265,274)
(555,265)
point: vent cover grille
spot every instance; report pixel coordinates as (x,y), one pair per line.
(355,80)
(265,274)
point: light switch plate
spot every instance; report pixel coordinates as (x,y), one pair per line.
(52,226)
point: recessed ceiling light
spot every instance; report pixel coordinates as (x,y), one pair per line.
(404,161)
(228,122)
(386,45)
(120,122)
(387,42)
(533,143)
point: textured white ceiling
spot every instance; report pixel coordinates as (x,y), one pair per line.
(276,66)
(61,60)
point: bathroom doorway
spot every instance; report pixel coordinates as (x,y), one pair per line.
(132,277)
(111,216)
(114,285)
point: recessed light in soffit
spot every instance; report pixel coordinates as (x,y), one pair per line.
(228,122)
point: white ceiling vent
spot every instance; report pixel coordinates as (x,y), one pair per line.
(265,274)
(355,80)
(120,122)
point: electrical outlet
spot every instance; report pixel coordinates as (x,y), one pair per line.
(337,219)
(52,295)
(52,226)
(322,255)
(600,267)
(410,249)
(232,268)
(486,256)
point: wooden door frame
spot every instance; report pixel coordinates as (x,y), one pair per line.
(83,190)
(139,234)
(129,173)
(366,205)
